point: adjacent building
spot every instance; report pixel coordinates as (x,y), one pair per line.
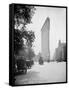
(60,52)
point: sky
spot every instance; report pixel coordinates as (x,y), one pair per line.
(57,27)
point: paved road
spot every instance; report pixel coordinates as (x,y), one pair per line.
(47,73)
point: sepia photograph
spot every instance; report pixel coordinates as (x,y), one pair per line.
(38,44)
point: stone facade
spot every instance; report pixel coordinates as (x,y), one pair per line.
(45,40)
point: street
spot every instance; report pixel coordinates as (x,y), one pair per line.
(47,73)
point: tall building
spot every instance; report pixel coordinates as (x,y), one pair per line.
(45,50)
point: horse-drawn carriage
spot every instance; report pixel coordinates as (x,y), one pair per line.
(41,62)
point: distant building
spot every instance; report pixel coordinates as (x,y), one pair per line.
(45,40)
(60,52)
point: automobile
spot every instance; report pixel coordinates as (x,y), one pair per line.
(21,65)
(29,64)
